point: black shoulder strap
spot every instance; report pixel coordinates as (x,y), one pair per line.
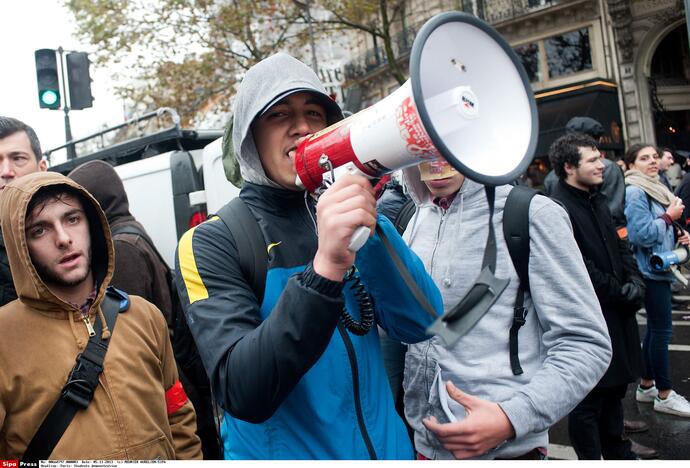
(516,233)
(250,243)
(404,215)
(77,392)
(516,229)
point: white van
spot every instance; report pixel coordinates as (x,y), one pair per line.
(173,179)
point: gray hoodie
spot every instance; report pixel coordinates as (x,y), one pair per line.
(258,90)
(564,347)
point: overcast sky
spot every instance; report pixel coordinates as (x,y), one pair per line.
(28,25)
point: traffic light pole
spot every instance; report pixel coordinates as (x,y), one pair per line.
(71,153)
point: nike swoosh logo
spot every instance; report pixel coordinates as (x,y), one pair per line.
(270,246)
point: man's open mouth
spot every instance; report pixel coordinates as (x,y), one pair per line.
(69,258)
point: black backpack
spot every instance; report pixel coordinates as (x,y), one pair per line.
(516,234)
(191,369)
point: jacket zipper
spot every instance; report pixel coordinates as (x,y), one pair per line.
(89,327)
(438,240)
(355,385)
(353,365)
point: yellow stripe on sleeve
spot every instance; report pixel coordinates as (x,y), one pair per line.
(196,290)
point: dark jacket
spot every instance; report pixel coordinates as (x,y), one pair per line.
(7,292)
(610,264)
(138,269)
(683,191)
(613,188)
(392,200)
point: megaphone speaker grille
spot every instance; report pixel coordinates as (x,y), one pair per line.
(474,98)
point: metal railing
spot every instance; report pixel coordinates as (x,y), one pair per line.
(174,116)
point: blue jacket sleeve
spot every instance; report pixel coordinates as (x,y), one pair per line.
(397,310)
(645,229)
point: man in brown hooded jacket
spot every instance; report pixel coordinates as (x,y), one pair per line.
(61,254)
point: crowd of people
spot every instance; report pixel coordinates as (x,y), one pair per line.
(330,356)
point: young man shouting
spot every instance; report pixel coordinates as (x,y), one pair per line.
(293,378)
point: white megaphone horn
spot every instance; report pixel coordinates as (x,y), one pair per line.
(468,101)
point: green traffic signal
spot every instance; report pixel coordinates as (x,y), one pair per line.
(47,79)
(49,97)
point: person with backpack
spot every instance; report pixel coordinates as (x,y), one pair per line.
(140,270)
(87,370)
(652,212)
(596,424)
(535,352)
(289,340)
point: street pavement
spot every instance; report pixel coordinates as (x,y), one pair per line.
(669,435)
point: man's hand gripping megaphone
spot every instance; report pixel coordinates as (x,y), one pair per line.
(345,218)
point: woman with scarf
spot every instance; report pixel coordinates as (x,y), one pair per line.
(652,211)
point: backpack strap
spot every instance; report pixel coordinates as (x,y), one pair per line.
(404,215)
(80,387)
(250,243)
(516,233)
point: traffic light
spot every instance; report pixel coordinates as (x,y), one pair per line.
(79,80)
(47,78)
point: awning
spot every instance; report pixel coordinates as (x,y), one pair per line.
(597,99)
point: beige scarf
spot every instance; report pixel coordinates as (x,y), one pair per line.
(651,185)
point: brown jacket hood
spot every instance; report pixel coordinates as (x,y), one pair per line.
(31,289)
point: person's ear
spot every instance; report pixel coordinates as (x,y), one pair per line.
(569,168)
(42,165)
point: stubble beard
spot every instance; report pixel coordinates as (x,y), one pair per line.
(49,276)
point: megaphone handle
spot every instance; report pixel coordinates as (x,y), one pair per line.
(359,238)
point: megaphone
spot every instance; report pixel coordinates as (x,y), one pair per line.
(468,100)
(665,260)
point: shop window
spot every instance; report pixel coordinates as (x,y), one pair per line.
(568,53)
(529,56)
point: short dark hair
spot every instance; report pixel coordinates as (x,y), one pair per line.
(663,149)
(567,150)
(53,192)
(631,155)
(10,126)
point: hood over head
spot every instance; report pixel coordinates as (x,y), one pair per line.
(100,180)
(586,125)
(14,200)
(263,85)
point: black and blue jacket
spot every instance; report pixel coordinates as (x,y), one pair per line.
(293,382)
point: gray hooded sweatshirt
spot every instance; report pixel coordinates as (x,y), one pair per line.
(564,347)
(258,91)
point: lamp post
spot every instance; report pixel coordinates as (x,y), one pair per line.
(305,6)
(687,19)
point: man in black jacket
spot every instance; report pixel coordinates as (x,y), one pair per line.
(20,154)
(596,424)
